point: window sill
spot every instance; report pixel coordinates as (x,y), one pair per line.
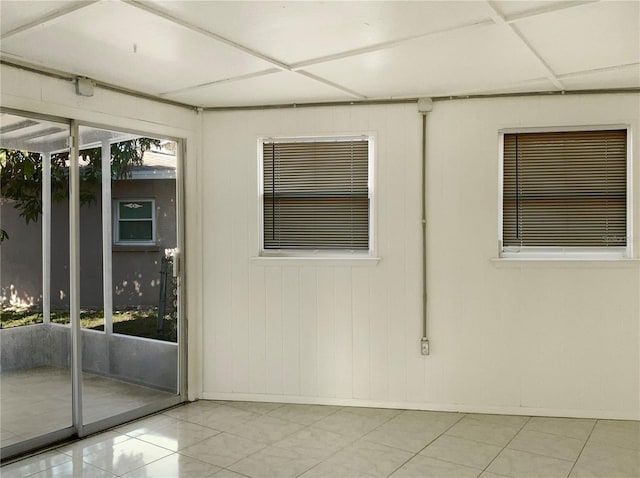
(320,261)
(568,262)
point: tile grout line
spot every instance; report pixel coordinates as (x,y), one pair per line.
(267,445)
(267,414)
(429,443)
(583,447)
(505,447)
(351,441)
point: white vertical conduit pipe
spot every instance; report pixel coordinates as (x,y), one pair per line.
(425,105)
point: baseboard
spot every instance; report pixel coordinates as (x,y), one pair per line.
(439,407)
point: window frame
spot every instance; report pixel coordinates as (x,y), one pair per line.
(318,253)
(562,252)
(116,222)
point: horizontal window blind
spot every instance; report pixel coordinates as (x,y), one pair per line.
(316,194)
(565,189)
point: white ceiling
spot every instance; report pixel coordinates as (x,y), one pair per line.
(212,53)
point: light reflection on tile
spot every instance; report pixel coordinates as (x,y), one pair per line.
(74,468)
(174,465)
(179,435)
(34,464)
(124,456)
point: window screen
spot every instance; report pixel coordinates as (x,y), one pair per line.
(316,194)
(565,189)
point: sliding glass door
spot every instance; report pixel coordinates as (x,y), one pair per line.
(90,260)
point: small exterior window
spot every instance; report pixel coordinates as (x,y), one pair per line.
(316,195)
(134,222)
(565,193)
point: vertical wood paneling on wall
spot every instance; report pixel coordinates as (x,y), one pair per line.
(240,320)
(243,175)
(274,333)
(326,332)
(217,304)
(378,337)
(361,305)
(334,331)
(308,331)
(291,330)
(399,156)
(381,277)
(343,332)
(257,332)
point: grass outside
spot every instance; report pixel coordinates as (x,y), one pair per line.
(137,322)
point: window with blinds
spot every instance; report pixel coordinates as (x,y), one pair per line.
(315,194)
(565,189)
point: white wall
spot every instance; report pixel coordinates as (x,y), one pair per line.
(549,338)
(29,92)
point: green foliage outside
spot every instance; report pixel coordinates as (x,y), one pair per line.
(137,322)
(21,175)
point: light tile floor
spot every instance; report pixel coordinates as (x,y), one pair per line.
(38,400)
(248,439)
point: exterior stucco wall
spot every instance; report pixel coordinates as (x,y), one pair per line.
(136,269)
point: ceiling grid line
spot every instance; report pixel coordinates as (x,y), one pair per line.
(499,19)
(389,44)
(593,71)
(248,76)
(49,17)
(281,65)
(329,83)
(212,35)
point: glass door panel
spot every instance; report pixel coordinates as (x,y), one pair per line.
(131,352)
(36,394)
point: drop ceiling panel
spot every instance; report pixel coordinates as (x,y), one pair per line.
(14,14)
(482,58)
(297,31)
(276,88)
(120,44)
(597,35)
(373,49)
